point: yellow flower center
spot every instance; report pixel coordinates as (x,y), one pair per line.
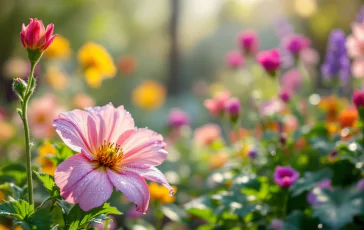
(109,154)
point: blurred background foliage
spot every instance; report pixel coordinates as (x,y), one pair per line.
(137,34)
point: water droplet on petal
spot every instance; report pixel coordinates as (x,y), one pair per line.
(171,193)
(144,213)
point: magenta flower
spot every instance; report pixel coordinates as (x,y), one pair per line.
(276,224)
(285,176)
(34,36)
(296,43)
(248,42)
(232,108)
(177,118)
(234,59)
(313,197)
(111,153)
(270,60)
(285,96)
(358,99)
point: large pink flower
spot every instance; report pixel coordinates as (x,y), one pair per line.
(112,153)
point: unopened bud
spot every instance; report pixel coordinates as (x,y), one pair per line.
(19,87)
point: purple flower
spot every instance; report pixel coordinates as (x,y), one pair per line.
(252,153)
(285,176)
(276,224)
(313,197)
(337,62)
(232,108)
(177,118)
(360,184)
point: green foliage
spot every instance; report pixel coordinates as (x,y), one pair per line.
(48,182)
(339,207)
(24,214)
(174,212)
(14,173)
(78,219)
(309,181)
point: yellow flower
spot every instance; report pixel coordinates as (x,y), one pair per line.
(217,160)
(56,78)
(97,64)
(161,193)
(47,166)
(18,227)
(149,95)
(60,48)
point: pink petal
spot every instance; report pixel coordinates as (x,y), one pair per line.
(153,174)
(22,39)
(49,32)
(133,186)
(353,47)
(80,182)
(144,148)
(112,121)
(49,42)
(72,127)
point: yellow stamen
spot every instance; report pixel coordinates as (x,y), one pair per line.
(109,154)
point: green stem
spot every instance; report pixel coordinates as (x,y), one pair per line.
(285,203)
(106,224)
(24,114)
(159,217)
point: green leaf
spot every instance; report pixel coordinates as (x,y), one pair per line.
(78,218)
(310,180)
(339,207)
(48,182)
(15,191)
(201,207)
(63,152)
(293,221)
(15,171)
(25,215)
(173,212)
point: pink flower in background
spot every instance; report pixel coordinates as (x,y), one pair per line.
(276,224)
(207,134)
(42,112)
(270,60)
(294,44)
(234,59)
(355,41)
(360,185)
(111,153)
(177,118)
(285,176)
(271,107)
(357,68)
(82,101)
(248,42)
(34,36)
(313,196)
(216,105)
(309,56)
(291,81)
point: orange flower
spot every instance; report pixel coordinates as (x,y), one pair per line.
(348,117)
(127,64)
(82,101)
(331,105)
(217,160)
(161,193)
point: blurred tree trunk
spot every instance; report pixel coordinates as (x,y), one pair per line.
(173,81)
